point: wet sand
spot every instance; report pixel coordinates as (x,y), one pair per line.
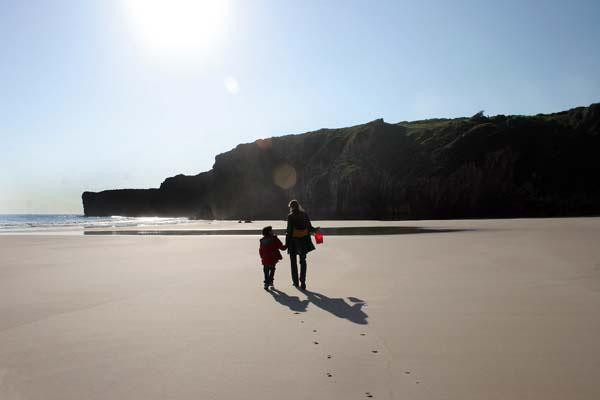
(493,309)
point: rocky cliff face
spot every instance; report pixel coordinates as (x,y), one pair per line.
(502,166)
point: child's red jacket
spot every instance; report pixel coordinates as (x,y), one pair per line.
(269,250)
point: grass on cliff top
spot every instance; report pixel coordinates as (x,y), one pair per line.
(434,124)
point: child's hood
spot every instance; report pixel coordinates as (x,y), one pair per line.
(267,240)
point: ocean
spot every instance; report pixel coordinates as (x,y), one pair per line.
(33,223)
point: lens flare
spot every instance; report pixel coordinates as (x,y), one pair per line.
(284,176)
(263,144)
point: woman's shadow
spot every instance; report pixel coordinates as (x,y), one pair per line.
(351,311)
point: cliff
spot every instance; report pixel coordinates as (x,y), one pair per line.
(501,166)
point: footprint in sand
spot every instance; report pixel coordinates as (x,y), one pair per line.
(329,356)
(368,394)
(314,330)
(374,351)
(329,375)
(407,372)
(316,342)
(362,334)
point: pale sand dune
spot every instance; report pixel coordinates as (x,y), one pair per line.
(506,310)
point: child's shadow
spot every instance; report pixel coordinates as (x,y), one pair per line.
(293,302)
(339,307)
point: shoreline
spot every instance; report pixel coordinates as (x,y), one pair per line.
(233,227)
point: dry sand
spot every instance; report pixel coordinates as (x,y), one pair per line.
(508,309)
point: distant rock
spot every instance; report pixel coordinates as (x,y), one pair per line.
(479,117)
(497,166)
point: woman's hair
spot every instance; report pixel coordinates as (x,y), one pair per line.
(295,206)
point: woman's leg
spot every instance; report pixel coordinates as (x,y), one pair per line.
(303,270)
(294,267)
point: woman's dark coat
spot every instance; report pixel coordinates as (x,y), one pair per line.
(299,221)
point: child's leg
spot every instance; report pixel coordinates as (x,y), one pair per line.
(272,274)
(267,273)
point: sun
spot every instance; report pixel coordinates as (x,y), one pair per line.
(178,25)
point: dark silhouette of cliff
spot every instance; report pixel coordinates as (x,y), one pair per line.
(501,166)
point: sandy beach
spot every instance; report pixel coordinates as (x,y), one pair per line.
(495,309)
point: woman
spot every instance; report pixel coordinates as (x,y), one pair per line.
(298,242)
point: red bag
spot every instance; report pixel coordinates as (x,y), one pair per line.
(319,237)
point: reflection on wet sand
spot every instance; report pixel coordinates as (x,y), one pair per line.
(336,231)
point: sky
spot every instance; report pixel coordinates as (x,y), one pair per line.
(109,94)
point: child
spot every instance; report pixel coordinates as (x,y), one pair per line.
(269,254)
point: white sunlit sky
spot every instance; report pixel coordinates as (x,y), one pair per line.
(107,94)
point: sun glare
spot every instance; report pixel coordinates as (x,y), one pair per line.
(179,25)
